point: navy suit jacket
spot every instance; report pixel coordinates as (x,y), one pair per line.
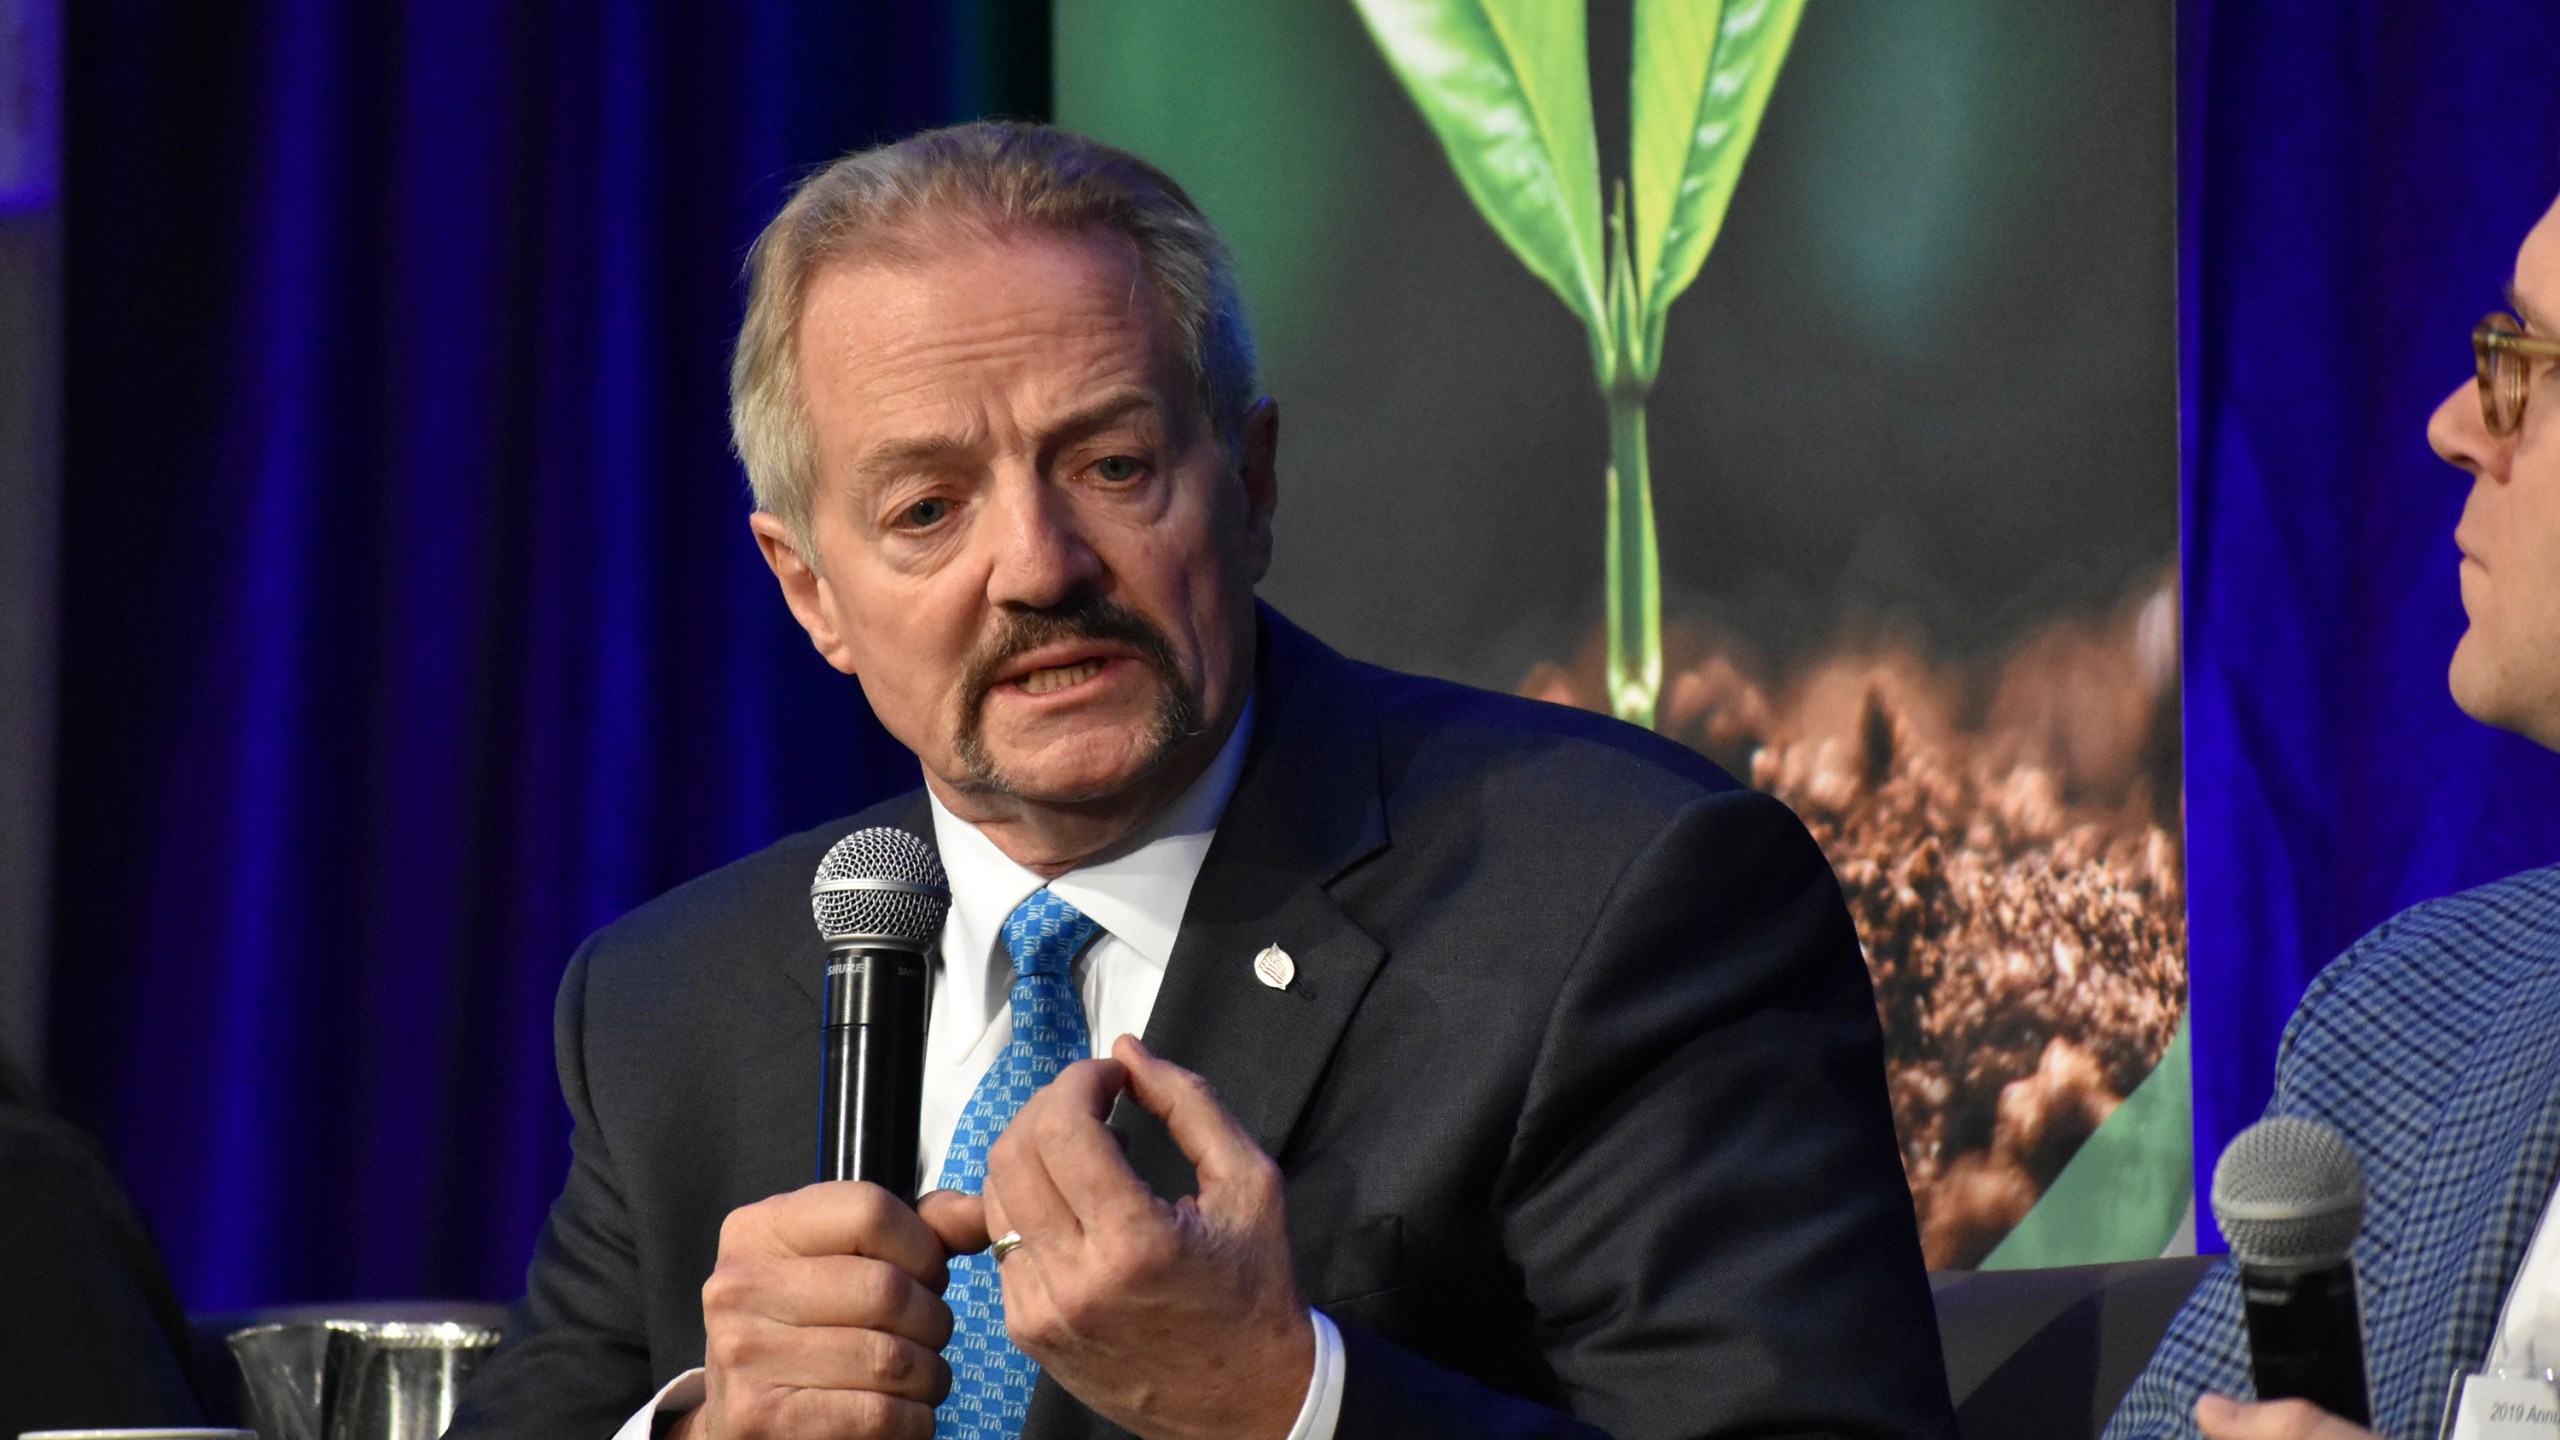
(2433,1046)
(1578,1090)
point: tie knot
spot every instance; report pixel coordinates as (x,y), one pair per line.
(1044,933)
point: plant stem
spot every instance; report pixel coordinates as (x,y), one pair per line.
(1635,566)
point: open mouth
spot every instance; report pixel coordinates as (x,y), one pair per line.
(1052,667)
(1058,677)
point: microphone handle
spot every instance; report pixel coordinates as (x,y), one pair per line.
(872,1067)
(2306,1337)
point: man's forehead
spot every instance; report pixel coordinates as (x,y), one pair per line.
(923,365)
(1067,280)
(1058,308)
(2535,289)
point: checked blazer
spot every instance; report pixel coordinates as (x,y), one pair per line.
(2433,1046)
(1578,1092)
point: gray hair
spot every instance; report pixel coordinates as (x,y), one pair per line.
(991,177)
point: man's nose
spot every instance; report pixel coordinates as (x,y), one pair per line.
(2459,434)
(1042,555)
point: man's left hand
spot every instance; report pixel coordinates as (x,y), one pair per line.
(1177,1321)
(2225,1419)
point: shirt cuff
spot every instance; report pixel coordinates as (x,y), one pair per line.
(1323,1408)
(678,1395)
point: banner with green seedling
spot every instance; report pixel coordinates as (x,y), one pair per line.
(1881,538)
(1506,86)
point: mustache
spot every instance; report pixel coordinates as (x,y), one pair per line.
(1089,617)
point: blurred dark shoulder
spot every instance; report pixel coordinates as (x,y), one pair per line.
(91,1333)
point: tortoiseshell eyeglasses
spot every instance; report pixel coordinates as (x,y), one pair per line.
(2506,356)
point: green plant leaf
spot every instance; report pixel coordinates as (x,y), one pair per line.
(1702,75)
(1506,85)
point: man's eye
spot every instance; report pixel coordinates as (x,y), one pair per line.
(925,512)
(1118,469)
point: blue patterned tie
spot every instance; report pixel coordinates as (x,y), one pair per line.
(990,1379)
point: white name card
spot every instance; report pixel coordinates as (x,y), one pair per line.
(2494,1407)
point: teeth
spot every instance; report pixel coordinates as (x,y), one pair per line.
(1059,677)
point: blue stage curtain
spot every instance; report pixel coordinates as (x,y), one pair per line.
(411,624)
(2357,176)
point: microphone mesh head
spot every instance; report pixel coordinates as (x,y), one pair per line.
(2288,1193)
(880,884)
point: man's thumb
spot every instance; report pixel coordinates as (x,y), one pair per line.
(958,1219)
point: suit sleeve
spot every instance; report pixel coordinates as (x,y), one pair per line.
(1704,1197)
(575,1363)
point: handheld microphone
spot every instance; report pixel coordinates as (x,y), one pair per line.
(2289,1196)
(879,898)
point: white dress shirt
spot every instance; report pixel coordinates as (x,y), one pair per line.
(1137,896)
(2527,1342)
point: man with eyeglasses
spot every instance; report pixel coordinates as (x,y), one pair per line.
(2433,1045)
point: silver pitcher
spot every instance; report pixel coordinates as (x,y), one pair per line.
(357,1379)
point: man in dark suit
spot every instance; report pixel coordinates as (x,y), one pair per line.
(1512,1071)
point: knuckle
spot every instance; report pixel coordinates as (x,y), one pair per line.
(875,1288)
(893,1364)
(1110,1263)
(729,1347)
(1147,1255)
(1036,1333)
(742,1224)
(1073,1309)
(737,1414)
(728,1289)
(898,1367)
(868,1206)
(867,1409)
(1007,1151)
(874,1413)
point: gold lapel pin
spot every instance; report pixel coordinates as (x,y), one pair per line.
(1274,968)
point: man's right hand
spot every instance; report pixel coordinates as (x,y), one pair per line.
(824,1316)
(2223,1418)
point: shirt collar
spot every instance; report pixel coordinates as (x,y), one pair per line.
(1138,893)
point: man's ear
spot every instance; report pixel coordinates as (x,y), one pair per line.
(803,589)
(1258,464)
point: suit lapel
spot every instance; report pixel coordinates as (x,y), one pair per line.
(1306,808)
(1262,1047)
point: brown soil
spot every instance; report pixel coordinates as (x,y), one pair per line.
(2007,839)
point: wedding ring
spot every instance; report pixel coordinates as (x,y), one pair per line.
(1005,1244)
